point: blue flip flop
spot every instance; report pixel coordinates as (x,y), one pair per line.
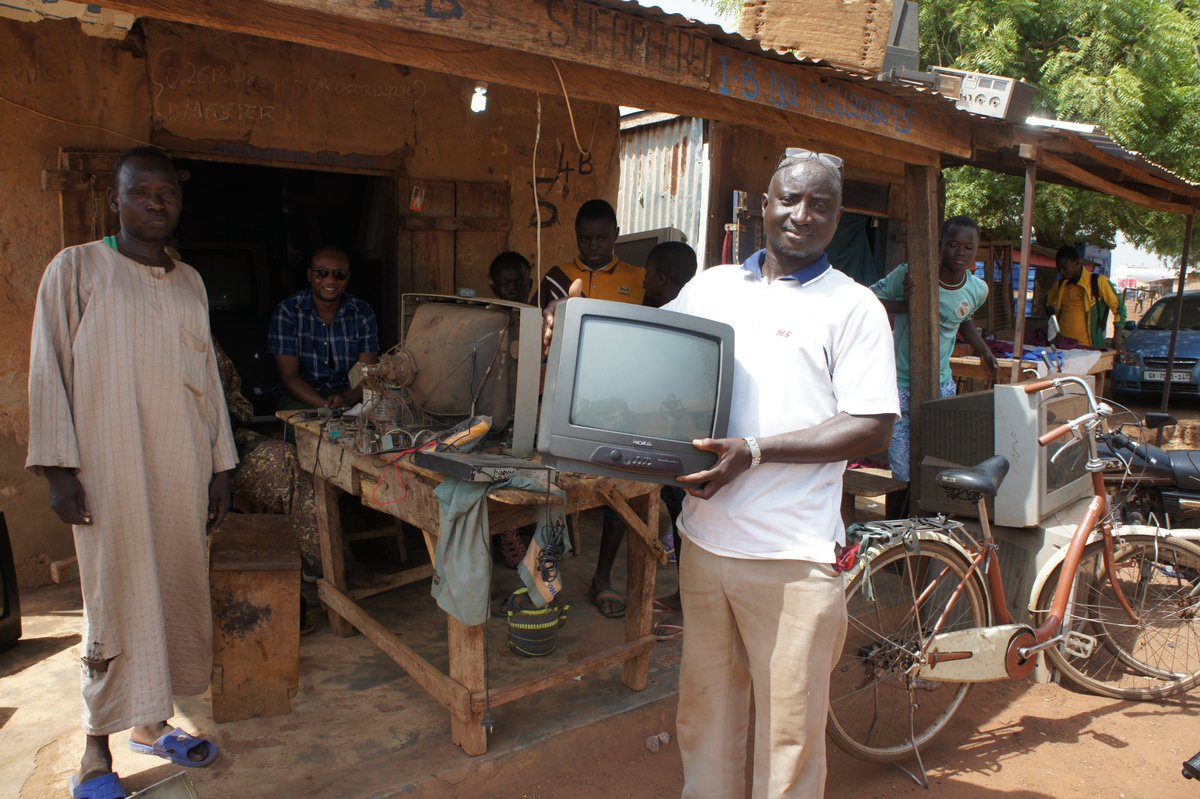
(175,746)
(106,786)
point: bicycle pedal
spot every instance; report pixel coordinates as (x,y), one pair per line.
(1191,767)
(1079,645)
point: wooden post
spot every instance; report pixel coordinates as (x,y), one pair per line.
(639,592)
(468,669)
(921,194)
(1026,253)
(329,532)
(1183,267)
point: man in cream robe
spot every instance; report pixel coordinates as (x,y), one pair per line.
(128,424)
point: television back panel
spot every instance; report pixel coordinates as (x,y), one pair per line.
(955,432)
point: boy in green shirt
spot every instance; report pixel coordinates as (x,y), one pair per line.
(960,294)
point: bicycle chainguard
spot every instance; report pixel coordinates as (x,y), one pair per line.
(1079,645)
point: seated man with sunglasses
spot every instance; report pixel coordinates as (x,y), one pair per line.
(319,333)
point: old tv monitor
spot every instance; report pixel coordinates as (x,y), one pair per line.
(473,356)
(634,248)
(1041,480)
(628,388)
(964,430)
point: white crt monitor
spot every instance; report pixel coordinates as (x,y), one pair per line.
(1041,480)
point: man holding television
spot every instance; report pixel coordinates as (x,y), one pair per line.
(814,385)
(601,276)
(319,332)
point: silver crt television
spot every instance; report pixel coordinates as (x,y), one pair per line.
(628,388)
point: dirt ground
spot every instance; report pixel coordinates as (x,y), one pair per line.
(1017,740)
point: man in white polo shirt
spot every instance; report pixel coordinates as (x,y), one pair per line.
(814,384)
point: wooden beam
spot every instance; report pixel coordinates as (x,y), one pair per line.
(838,115)
(921,190)
(446,691)
(564,674)
(1063,167)
(1131,171)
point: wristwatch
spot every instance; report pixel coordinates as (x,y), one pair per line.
(755,452)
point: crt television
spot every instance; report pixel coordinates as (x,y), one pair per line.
(467,356)
(634,248)
(964,430)
(628,388)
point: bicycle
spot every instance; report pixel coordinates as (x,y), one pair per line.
(928,616)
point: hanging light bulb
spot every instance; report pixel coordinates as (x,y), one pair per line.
(479,97)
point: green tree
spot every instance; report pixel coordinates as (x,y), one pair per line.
(1129,67)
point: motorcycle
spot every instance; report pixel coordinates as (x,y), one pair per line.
(1150,484)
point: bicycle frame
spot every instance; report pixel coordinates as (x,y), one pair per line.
(1018,643)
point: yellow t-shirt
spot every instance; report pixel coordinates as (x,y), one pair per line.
(1072,316)
(617,281)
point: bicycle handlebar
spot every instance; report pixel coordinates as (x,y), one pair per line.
(1054,434)
(1040,385)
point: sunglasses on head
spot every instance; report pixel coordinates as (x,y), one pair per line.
(800,154)
(338,274)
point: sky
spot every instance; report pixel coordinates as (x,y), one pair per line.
(693,9)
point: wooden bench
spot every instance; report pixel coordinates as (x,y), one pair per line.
(866,482)
(254,571)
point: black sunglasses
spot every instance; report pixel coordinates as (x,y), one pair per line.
(800,154)
(338,274)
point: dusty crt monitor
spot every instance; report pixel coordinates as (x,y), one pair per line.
(628,388)
(964,430)
(474,356)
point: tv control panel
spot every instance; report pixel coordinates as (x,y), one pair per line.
(637,460)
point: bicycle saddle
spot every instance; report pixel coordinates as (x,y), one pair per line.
(983,478)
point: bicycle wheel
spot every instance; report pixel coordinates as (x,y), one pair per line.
(1151,658)
(877,711)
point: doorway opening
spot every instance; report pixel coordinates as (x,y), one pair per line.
(250,231)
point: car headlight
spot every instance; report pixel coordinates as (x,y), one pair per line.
(1128,358)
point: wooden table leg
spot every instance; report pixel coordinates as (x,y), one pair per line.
(639,593)
(467,668)
(329,531)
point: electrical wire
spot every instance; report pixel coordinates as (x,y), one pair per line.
(537,209)
(62,121)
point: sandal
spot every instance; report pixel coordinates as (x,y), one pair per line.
(106,786)
(667,632)
(610,603)
(175,746)
(512,547)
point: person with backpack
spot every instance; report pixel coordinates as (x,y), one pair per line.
(1083,300)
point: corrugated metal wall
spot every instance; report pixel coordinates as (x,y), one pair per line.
(665,177)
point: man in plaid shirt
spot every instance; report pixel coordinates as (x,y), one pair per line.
(318,333)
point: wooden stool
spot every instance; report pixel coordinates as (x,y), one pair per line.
(254,564)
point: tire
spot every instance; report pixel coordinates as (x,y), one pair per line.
(871,698)
(1158,655)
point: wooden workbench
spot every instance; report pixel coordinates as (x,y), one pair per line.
(405,491)
(968,367)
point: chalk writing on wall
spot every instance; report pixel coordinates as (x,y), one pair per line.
(744,78)
(190,89)
(558,183)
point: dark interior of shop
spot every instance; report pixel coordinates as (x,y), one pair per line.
(250,231)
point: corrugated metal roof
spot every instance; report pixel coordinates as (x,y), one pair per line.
(1096,137)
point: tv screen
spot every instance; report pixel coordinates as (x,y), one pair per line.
(612,392)
(628,388)
(1062,468)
